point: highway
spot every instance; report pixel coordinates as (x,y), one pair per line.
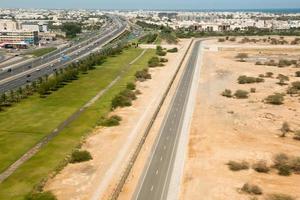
(52,62)
(154,183)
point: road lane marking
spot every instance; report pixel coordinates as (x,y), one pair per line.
(156,172)
(152,187)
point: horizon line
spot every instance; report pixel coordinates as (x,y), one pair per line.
(158,9)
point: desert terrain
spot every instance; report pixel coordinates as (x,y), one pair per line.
(248,130)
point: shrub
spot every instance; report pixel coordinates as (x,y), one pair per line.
(137,92)
(271,63)
(163,60)
(120,101)
(251,189)
(160,52)
(261,75)
(292,90)
(279,197)
(282,79)
(295,164)
(284,63)
(153,62)
(253,90)
(296,85)
(227,93)
(285,128)
(261,166)
(129,94)
(221,40)
(275,99)
(123,99)
(41,196)
(284,170)
(297,74)
(80,156)
(143,75)
(174,50)
(247,79)
(148,39)
(111,121)
(280,159)
(233,39)
(269,74)
(237,166)
(258,63)
(131,86)
(242,56)
(297,135)
(241,94)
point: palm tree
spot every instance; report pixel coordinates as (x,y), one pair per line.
(40,81)
(12,97)
(3,98)
(28,90)
(20,92)
(34,86)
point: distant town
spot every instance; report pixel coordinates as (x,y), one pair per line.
(22,27)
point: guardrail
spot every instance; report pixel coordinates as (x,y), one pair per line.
(115,194)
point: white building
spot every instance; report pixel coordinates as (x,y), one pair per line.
(34,26)
(9,25)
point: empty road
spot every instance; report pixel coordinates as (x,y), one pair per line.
(155,180)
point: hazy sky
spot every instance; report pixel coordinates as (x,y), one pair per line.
(151,4)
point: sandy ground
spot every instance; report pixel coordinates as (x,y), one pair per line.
(225,129)
(112,147)
(138,168)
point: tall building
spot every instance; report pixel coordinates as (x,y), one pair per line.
(15,37)
(35,26)
(9,25)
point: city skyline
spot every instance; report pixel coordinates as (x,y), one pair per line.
(154,4)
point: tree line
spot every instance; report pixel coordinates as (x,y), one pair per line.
(44,86)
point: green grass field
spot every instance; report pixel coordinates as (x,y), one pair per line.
(26,123)
(41,52)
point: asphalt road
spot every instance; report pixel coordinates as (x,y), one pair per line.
(51,63)
(155,181)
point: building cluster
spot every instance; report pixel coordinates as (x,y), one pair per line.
(21,33)
(218,21)
(38,26)
(33,27)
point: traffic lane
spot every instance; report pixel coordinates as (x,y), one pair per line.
(155,179)
(78,53)
(57,54)
(157,175)
(39,73)
(36,63)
